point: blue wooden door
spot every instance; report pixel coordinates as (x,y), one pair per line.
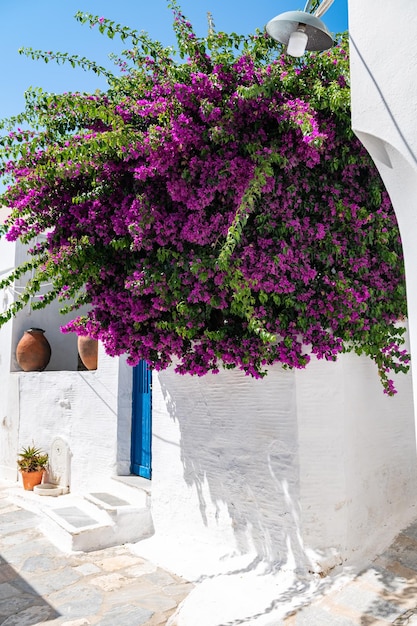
(141,421)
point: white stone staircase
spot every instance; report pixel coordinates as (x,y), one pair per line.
(119,513)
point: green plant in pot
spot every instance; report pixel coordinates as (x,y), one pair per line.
(32,463)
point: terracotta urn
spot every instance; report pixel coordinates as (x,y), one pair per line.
(88,351)
(33,351)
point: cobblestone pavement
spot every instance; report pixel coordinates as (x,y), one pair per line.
(383,593)
(111,587)
(39,584)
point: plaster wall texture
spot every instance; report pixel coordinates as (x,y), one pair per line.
(221,446)
(301,470)
(357,457)
(64,354)
(91,410)
(384,109)
(84,408)
(7,389)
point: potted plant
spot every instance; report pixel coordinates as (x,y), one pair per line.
(32,464)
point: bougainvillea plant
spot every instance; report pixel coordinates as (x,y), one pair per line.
(212,207)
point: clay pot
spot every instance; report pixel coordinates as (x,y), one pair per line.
(33,351)
(31,479)
(88,351)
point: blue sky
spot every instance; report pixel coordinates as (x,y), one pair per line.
(49,25)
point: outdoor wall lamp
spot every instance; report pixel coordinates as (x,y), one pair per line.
(300,30)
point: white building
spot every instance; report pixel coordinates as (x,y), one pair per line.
(255,484)
(296,473)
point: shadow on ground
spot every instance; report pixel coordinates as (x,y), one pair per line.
(394,574)
(21,603)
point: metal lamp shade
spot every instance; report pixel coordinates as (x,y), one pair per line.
(282,26)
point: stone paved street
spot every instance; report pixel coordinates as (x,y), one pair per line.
(383,593)
(39,584)
(111,587)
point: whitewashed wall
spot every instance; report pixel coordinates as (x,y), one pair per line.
(222,445)
(357,455)
(8,425)
(302,469)
(90,410)
(383,47)
(308,468)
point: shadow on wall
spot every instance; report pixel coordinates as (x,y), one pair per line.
(239,451)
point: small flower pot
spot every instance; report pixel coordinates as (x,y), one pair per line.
(31,479)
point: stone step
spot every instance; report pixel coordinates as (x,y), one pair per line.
(90,521)
(131,488)
(86,527)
